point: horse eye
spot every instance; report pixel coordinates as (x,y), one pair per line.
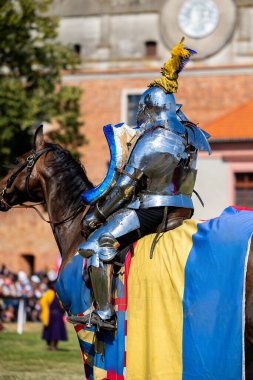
(16,161)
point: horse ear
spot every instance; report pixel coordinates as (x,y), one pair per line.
(38,138)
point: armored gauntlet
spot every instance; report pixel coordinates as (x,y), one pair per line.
(120,194)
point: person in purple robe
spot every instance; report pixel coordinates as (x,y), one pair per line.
(52,313)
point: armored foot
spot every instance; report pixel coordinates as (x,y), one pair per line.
(94,320)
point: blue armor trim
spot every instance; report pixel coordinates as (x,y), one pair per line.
(91,196)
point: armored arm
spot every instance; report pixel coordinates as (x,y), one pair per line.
(120,194)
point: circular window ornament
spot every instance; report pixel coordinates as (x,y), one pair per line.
(198,18)
(208,25)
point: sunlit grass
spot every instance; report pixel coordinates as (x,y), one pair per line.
(24,357)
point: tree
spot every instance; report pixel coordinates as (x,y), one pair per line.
(31,92)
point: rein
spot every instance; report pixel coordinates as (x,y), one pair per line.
(53,222)
(29,164)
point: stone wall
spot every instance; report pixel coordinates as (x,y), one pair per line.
(69,8)
(115,35)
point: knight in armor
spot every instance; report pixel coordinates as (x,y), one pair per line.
(153,189)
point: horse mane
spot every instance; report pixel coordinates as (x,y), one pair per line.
(69,172)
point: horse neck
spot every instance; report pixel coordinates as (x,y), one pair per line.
(63,199)
(68,237)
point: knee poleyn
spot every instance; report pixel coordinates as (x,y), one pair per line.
(87,250)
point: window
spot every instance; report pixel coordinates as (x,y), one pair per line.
(77,49)
(130,98)
(150,48)
(244,189)
(132,107)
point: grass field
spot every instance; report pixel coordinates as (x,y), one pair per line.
(24,357)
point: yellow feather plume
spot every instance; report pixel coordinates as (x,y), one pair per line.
(170,70)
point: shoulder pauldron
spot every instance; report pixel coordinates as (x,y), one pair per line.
(197,137)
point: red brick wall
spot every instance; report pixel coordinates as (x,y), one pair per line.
(23,232)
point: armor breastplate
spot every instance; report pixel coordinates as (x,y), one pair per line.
(162,157)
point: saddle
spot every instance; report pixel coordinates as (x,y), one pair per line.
(173,218)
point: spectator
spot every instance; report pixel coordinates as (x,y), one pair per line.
(9,314)
(52,318)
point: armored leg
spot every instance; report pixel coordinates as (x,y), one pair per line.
(99,274)
(101,247)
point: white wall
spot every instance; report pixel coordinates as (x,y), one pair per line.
(83,31)
(213,186)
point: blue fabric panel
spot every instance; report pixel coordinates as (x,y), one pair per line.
(213,296)
(114,354)
(71,287)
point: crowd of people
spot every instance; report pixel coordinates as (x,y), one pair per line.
(41,303)
(14,286)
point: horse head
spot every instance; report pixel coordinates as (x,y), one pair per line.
(23,182)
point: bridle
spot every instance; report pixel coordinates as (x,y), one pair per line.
(29,165)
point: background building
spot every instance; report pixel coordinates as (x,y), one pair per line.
(122,45)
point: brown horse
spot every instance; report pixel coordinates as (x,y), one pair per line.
(49,174)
